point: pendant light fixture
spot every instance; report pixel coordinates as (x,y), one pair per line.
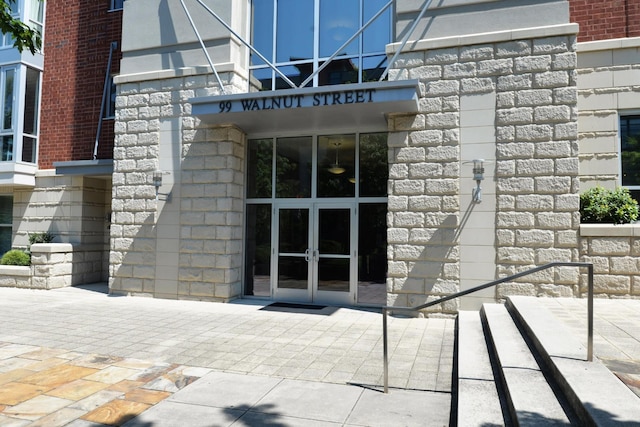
(335,168)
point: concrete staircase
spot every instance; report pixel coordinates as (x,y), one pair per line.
(518,365)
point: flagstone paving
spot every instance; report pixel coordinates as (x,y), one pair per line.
(56,387)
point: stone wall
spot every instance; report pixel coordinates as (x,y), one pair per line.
(608,85)
(183,240)
(55,265)
(522,92)
(614,251)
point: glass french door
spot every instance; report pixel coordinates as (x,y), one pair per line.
(315,253)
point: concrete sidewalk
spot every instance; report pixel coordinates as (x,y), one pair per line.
(166,362)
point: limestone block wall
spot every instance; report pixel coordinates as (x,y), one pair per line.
(509,98)
(614,251)
(608,85)
(183,241)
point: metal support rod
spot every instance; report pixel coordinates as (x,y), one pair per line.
(590,315)
(107,78)
(385,352)
(247,44)
(405,39)
(204,48)
(345,44)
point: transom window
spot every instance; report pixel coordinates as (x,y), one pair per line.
(298,36)
(630,153)
(116,4)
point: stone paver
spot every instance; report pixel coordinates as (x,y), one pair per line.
(89,358)
(616,340)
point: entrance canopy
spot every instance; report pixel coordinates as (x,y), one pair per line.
(355,106)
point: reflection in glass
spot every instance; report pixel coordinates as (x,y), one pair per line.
(339,71)
(292,272)
(293,237)
(258,251)
(372,253)
(293,167)
(333,274)
(29,149)
(294,39)
(259,167)
(335,231)
(262,34)
(336,164)
(7,122)
(630,149)
(7,148)
(261,78)
(339,21)
(6,220)
(374,169)
(373,67)
(378,34)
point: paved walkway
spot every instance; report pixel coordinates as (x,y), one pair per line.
(616,338)
(81,358)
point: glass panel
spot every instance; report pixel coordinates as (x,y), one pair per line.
(630,149)
(259,167)
(294,39)
(6,210)
(258,251)
(31,102)
(373,67)
(333,275)
(29,149)
(339,71)
(293,236)
(262,77)
(6,219)
(293,167)
(372,254)
(335,231)
(374,169)
(336,166)
(293,273)
(296,73)
(339,20)
(7,122)
(262,35)
(7,148)
(378,34)
(36,10)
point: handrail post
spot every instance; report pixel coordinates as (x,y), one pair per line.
(385,353)
(590,314)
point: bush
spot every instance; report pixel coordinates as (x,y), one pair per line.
(15,257)
(40,238)
(599,205)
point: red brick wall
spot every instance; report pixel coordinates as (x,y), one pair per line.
(606,19)
(77,38)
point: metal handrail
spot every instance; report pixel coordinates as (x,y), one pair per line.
(588,265)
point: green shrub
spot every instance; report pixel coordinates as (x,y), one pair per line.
(40,238)
(598,205)
(15,257)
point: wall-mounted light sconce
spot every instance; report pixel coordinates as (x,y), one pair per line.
(157,182)
(478,176)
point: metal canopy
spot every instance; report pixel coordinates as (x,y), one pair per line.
(354,106)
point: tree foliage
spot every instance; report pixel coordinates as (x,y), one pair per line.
(24,37)
(600,205)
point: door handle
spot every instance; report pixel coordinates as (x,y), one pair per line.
(316,255)
(306,255)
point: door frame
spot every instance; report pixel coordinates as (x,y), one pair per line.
(312,294)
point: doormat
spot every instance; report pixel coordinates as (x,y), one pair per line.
(294,305)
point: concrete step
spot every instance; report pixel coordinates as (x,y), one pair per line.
(596,395)
(531,400)
(478,401)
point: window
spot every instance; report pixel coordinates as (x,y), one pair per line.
(36,14)
(8,89)
(30,116)
(110,104)
(6,220)
(298,36)
(630,153)
(116,4)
